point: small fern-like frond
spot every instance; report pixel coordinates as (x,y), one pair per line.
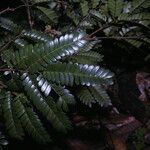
(62,118)
(36,36)
(128,17)
(97,71)
(65,97)
(115,7)
(97,94)
(70,74)
(30,120)
(44,85)
(100,96)
(41,104)
(86,58)
(34,58)
(11,122)
(50,14)
(85,96)
(84,7)
(10,25)
(20,43)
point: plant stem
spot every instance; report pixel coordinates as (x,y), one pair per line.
(12,9)
(6,10)
(6,69)
(121,37)
(99,30)
(29,14)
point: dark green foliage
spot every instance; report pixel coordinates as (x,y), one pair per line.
(34,58)
(44,66)
(65,97)
(41,70)
(46,108)
(70,74)
(89,95)
(48,15)
(90,57)
(29,120)
(9,25)
(12,123)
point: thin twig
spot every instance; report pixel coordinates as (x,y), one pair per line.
(91,36)
(12,9)
(6,69)
(29,14)
(121,37)
(116,38)
(6,10)
(99,30)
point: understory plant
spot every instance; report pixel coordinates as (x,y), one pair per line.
(51,60)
